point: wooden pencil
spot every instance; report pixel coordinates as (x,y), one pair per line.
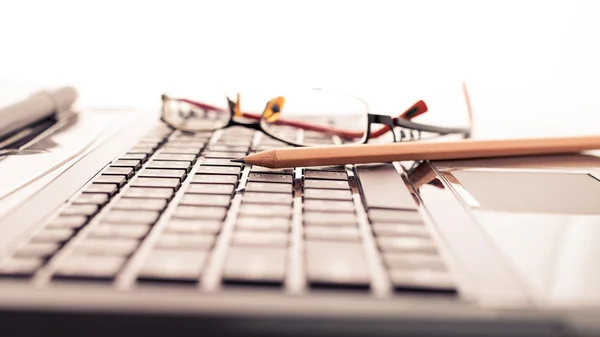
(389,152)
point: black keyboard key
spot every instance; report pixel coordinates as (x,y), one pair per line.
(401,261)
(173,265)
(181,150)
(227,148)
(317,174)
(132,163)
(267,198)
(219,162)
(224,155)
(140,204)
(185,241)
(20,267)
(40,250)
(422,280)
(257,210)
(317,193)
(56,235)
(383,187)
(164,173)
(328,233)
(255,265)
(84,210)
(260,169)
(131,217)
(219,170)
(269,187)
(331,264)
(134,156)
(110,179)
(175,157)
(91,199)
(148,193)
(110,189)
(156,182)
(195,226)
(390,229)
(72,222)
(260,239)
(119,231)
(274,178)
(225,189)
(328,206)
(249,223)
(328,219)
(395,216)
(125,171)
(215,179)
(328,184)
(406,245)
(107,246)
(90,267)
(200,212)
(166,164)
(205,200)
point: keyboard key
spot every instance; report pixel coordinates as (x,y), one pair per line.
(332,264)
(269,187)
(326,219)
(175,157)
(274,178)
(72,222)
(266,211)
(37,249)
(227,148)
(383,187)
(389,229)
(131,217)
(134,156)
(84,210)
(395,216)
(93,267)
(317,174)
(202,212)
(56,235)
(132,163)
(267,198)
(328,206)
(422,280)
(20,267)
(166,173)
(328,233)
(106,246)
(91,199)
(185,241)
(226,155)
(219,162)
(181,150)
(215,179)
(173,265)
(235,141)
(316,193)
(205,200)
(219,170)
(255,265)
(140,204)
(263,224)
(156,182)
(250,238)
(328,184)
(226,189)
(106,230)
(123,171)
(166,164)
(148,150)
(260,169)
(148,193)
(110,189)
(406,245)
(187,142)
(195,226)
(397,261)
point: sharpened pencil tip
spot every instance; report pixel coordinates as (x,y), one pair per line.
(238,160)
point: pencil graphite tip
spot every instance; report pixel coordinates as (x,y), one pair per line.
(238,160)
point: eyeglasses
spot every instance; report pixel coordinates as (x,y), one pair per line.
(310,118)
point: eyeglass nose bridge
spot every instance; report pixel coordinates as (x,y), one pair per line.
(382,119)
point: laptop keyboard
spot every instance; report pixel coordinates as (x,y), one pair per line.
(174,210)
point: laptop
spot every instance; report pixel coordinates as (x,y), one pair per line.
(155,232)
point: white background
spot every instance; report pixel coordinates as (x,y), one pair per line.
(532,66)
